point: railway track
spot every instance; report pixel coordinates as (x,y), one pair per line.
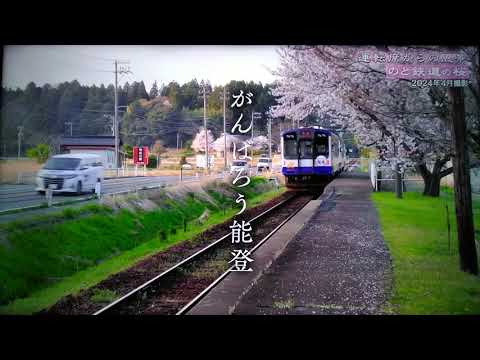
(177,289)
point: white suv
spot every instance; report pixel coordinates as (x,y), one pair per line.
(264,163)
(75,173)
(238,165)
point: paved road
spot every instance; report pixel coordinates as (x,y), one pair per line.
(17,196)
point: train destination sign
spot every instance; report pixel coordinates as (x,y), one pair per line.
(305,134)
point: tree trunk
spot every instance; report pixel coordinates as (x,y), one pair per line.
(432,186)
(422,169)
(431,179)
(463,195)
(398,181)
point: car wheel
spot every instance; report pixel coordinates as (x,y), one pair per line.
(79,187)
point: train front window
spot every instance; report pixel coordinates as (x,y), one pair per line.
(321,146)
(290,148)
(306,149)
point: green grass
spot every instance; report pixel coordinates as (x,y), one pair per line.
(103,296)
(49,262)
(427,279)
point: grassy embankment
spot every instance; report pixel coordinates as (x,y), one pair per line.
(56,255)
(427,279)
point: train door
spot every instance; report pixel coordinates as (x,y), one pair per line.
(334,153)
(305,152)
(289,152)
(331,157)
(322,150)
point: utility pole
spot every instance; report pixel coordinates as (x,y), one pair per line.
(270,138)
(205,126)
(178,136)
(224,128)
(461,176)
(204,84)
(115,119)
(20,136)
(252,124)
(255,115)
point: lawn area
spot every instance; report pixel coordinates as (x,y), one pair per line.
(427,279)
(77,248)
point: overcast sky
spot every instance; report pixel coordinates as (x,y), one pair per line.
(94,64)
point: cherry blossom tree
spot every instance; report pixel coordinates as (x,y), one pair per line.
(407,125)
(198,143)
(219,144)
(258,142)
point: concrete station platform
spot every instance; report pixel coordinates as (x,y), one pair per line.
(330,258)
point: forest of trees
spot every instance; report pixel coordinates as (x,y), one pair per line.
(49,112)
(178,112)
(168,112)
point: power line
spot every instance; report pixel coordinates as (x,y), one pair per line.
(62,60)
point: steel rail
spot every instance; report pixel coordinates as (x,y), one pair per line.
(200,296)
(183,262)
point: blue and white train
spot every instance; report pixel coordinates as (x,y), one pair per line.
(311,156)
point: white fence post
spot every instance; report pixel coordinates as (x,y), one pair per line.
(49,195)
(98,189)
(373,175)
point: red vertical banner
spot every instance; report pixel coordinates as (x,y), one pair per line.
(145,155)
(135,155)
(140,155)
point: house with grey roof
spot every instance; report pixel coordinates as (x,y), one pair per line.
(104,146)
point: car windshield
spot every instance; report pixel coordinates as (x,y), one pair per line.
(239,163)
(62,164)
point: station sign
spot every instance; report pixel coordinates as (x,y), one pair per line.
(140,155)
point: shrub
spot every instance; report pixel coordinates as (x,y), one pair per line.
(128,149)
(41,152)
(152,161)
